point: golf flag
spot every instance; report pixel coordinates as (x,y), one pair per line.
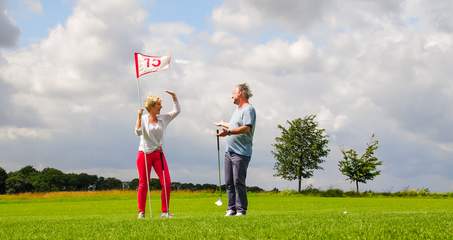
(147,64)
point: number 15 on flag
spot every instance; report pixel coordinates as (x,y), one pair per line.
(145,64)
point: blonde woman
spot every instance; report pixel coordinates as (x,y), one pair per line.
(151,136)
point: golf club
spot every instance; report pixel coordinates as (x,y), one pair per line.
(165,184)
(219,201)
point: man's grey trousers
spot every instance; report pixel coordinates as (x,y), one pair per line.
(235,174)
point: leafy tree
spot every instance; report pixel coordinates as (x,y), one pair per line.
(72,182)
(133,184)
(18,183)
(360,169)
(3,177)
(49,179)
(300,149)
(84,180)
(108,183)
(27,171)
(154,184)
(113,183)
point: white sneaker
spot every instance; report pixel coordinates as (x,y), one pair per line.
(230,213)
(166,215)
(240,214)
(141,215)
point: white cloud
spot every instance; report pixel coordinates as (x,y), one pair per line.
(281,56)
(17,134)
(305,15)
(225,39)
(235,16)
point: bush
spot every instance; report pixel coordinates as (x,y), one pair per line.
(408,192)
(352,194)
(333,192)
(310,190)
(254,189)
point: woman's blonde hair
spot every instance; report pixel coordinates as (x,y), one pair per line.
(151,101)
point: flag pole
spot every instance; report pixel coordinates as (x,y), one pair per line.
(140,103)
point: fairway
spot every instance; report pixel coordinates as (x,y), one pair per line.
(112,215)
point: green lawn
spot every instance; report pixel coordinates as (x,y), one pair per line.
(112,215)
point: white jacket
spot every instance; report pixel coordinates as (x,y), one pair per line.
(152,138)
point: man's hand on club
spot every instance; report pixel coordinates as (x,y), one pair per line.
(223,132)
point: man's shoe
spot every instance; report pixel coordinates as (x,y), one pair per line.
(141,215)
(166,215)
(230,213)
(240,214)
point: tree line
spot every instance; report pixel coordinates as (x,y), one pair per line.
(299,151)
(28,179)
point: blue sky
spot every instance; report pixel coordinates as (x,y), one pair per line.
(68,97)
(36,25)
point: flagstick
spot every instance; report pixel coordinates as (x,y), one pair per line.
(144,153)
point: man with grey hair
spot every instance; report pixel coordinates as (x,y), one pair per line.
(239,132)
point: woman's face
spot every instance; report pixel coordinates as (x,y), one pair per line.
(156,108)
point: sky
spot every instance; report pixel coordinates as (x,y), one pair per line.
(68,94)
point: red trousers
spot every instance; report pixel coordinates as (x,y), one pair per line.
(153,160)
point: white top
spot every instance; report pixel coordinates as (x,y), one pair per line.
(154,133)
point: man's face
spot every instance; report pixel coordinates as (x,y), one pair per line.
(236,94)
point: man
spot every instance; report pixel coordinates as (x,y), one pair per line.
(239,132)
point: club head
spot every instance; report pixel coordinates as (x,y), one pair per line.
(219,202)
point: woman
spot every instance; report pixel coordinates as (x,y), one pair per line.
(151,135)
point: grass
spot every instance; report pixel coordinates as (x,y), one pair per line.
(112,215)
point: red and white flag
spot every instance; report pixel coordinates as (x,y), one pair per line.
(147,64)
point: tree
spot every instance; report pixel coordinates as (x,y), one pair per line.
(18,183)
(3,177)
(27,171)
(72,182)
(108,183)
(134,184)
(360,169)
(300,149)
(84,180)
(48,180)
